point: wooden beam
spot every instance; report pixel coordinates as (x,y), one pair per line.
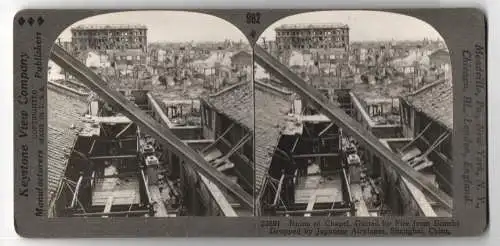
(420,199)
(246,161)
(113,140)
(315,155)
(361,208)
(306,129)
(436,144)
(375,210)
(349,193)
(146,187)
(77,189)
(119,175)
(327,137)
(234,149)
(295,144)
(278,191)
(316,211)
(445,159)
(415,138)
(92,147)
(219,198)
(92,178)
(99,214)
(198,141)
(285,155)
(226,166)
(218,139)
(301,206)
(310,204)
(82,155)
(105,133)
(105,157)
(124,129)
(109,204)
(326,129)
(239,145)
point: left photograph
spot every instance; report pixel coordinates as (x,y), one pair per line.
(150,114)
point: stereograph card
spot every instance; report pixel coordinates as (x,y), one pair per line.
(250,123)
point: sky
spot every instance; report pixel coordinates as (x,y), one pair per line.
(179,26)
(171,26)
(364,25)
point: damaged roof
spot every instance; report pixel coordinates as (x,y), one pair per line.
(64,120)
(436,101)
(236,102)
(271,109)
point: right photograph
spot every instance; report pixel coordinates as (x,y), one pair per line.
(353,117)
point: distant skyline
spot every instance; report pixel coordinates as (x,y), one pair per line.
(364,25)
(169,26)
(182,26)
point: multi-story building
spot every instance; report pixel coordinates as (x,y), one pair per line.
(312,36)
(109,37)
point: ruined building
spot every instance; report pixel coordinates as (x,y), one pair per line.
(109,37)
(133,153)
(312,36)
(341,159)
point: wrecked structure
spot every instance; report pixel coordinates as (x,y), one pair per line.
(427,118)
(312,36)
(312,48)
(109,37)
(347,168)
(129,158)
(207,68)
(118,49)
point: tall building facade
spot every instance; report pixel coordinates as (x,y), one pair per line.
(109,37)
(312,36)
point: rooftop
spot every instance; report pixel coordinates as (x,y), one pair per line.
(236,102)
(377,92)
(436,101)
(108,26)
(271,109)
(64,122)
(312,26)
(127,52)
